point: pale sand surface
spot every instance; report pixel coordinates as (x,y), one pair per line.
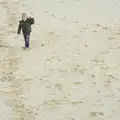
(72,71)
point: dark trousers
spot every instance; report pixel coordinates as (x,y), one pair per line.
(27,39)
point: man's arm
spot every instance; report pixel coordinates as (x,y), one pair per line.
(19,28)
(32,21)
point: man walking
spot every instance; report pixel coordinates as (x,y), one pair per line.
(25,25)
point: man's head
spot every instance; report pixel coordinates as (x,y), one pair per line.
(24,16)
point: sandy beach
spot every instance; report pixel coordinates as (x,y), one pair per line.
(72,71)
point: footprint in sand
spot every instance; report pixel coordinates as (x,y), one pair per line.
(63,18)
(42,45)
(76,22)
(111,38)
(51,102)
(94,31)
(78,83)
(76,102)
(46,11)
(98,60)
(62,1)
(103,27)
(93,114)
(53,15)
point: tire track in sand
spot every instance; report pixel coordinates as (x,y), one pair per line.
(9,68)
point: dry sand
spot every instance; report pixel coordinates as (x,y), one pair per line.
(72,71)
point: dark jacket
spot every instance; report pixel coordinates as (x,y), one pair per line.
(25,26)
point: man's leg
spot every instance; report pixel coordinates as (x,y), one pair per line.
(27,37)
(27,41)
